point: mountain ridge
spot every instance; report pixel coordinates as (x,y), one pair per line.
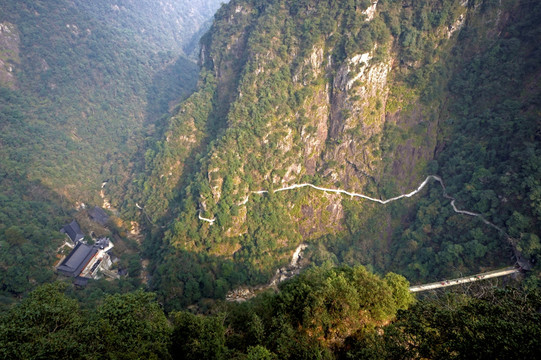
(83,86)
(316,93)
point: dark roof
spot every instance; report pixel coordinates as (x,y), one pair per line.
(122,272)
(77,259)
(524,263)
(73,231)
(98,215)
(80,281)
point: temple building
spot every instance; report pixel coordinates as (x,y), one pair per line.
(85,260)
(73,230)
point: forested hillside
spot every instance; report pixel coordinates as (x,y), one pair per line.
(369,97)
(382,143)
(342,313)
(82,85)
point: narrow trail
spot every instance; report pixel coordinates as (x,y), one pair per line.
(466,279)
(366,197)
(211,221)
(245,294)
(281,274)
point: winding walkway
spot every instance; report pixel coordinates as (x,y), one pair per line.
(366,197)
(244,293)
(417,288)
(464,280)
(437,178)
(211,221)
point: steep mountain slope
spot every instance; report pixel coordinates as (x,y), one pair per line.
(352,95)
(82,83)
(491,152)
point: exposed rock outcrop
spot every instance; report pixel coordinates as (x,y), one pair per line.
(293,105)
(9,54)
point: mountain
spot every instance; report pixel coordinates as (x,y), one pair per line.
(82,85)
(365,97)
(330,154)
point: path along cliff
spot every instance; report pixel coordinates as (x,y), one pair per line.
(283,274)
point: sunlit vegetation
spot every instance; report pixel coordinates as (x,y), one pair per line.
(250,122)
(341,313)
(92,82)
(109,92)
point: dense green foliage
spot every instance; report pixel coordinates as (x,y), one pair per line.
(49,325)
(91,80)
(283,97)
(491,158)
(496,325)
(341,313)
(253,121)
(85,87)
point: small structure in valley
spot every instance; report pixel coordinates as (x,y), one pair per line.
(524,263)
(85,260)
(73,231)
(77,260)
(98,215)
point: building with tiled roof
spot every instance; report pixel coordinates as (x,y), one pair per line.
(98,215)
(73,230)
(77,260)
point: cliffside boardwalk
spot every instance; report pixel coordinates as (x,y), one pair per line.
(522,262)
(463,280)
(366,197)
(417,288)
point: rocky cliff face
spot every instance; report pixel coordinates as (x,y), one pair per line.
(9,54)
(309,93)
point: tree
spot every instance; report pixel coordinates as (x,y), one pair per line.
(529,245)
(498,325)
(132,326)
(331,305)
(259,353)
(14,236)
(197,337)
(400,287)
(46,325)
